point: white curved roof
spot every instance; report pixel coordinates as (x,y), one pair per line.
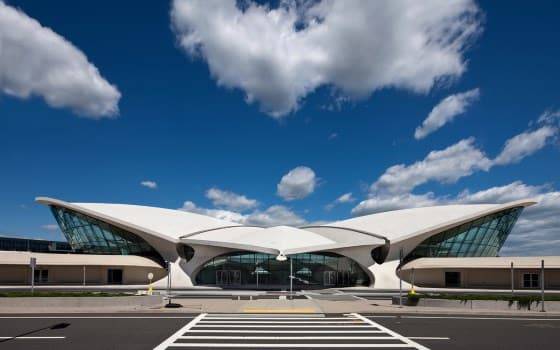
(398,225)
(409,225)
(165,223)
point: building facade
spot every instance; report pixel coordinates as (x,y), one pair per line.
(362,251)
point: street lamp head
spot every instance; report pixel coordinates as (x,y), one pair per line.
(281,257)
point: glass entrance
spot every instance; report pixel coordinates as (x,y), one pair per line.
(228,277)
(262,271)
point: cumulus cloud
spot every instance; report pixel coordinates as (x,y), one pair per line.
(345,198)
(230,200)
(36,61)
(386,202)
(150,184)
(298,183)
(525,144)
(277,56)
(273,216)
(447,166)
(549,116)
(465,158)
(221,214)
(445,111)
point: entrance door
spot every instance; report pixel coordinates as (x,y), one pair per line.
(452,279)
(114,276)
(228,277)
(329,278)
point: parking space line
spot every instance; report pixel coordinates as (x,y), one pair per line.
(32,338)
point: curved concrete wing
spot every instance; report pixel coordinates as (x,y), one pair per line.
(406,228)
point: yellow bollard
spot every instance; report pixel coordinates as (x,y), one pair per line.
(150,288)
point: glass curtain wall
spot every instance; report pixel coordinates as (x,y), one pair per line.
(89,235)
(478,238)
(263,271)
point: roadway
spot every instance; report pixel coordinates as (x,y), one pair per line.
(273,331)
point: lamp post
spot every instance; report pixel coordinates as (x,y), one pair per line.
(512,281)
(400,277)
(542,285)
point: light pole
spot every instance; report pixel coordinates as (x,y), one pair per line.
(291,277)
(542,285)
(400,277)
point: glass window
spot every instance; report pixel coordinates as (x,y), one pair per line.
(263,271)
(531,280)
(89,235)
(482,237)
(41,276)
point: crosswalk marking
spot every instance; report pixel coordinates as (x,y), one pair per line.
(218,331)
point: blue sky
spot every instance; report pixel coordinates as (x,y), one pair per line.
(185,120)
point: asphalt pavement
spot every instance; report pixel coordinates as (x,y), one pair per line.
(273,331)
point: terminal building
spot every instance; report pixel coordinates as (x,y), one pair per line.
(440,246)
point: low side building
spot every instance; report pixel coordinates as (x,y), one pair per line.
(76,269)
(482,272)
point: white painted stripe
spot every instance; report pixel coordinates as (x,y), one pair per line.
(94,317)
(394,334)
(467,318)
(167,342)
(286,326)
(283,338)
(25,338)
(280,318)
(279,322)
(268,315)
(429,338)
(282,331)
(289,346)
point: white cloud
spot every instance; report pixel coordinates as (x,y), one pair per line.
(150,184)
(381,203)
(445,111)
(549,116)
(272,216)
(50,227)
(230,200)
(447,166)
(298,183)
(36,61)
(277,56)
(221,214)
(333,136)
(501,194)
(345,198)
(525,144)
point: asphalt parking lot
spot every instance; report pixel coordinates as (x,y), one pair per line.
(273,331)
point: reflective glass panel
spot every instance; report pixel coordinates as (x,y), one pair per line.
(481,237)
(263,271)
(89,235)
